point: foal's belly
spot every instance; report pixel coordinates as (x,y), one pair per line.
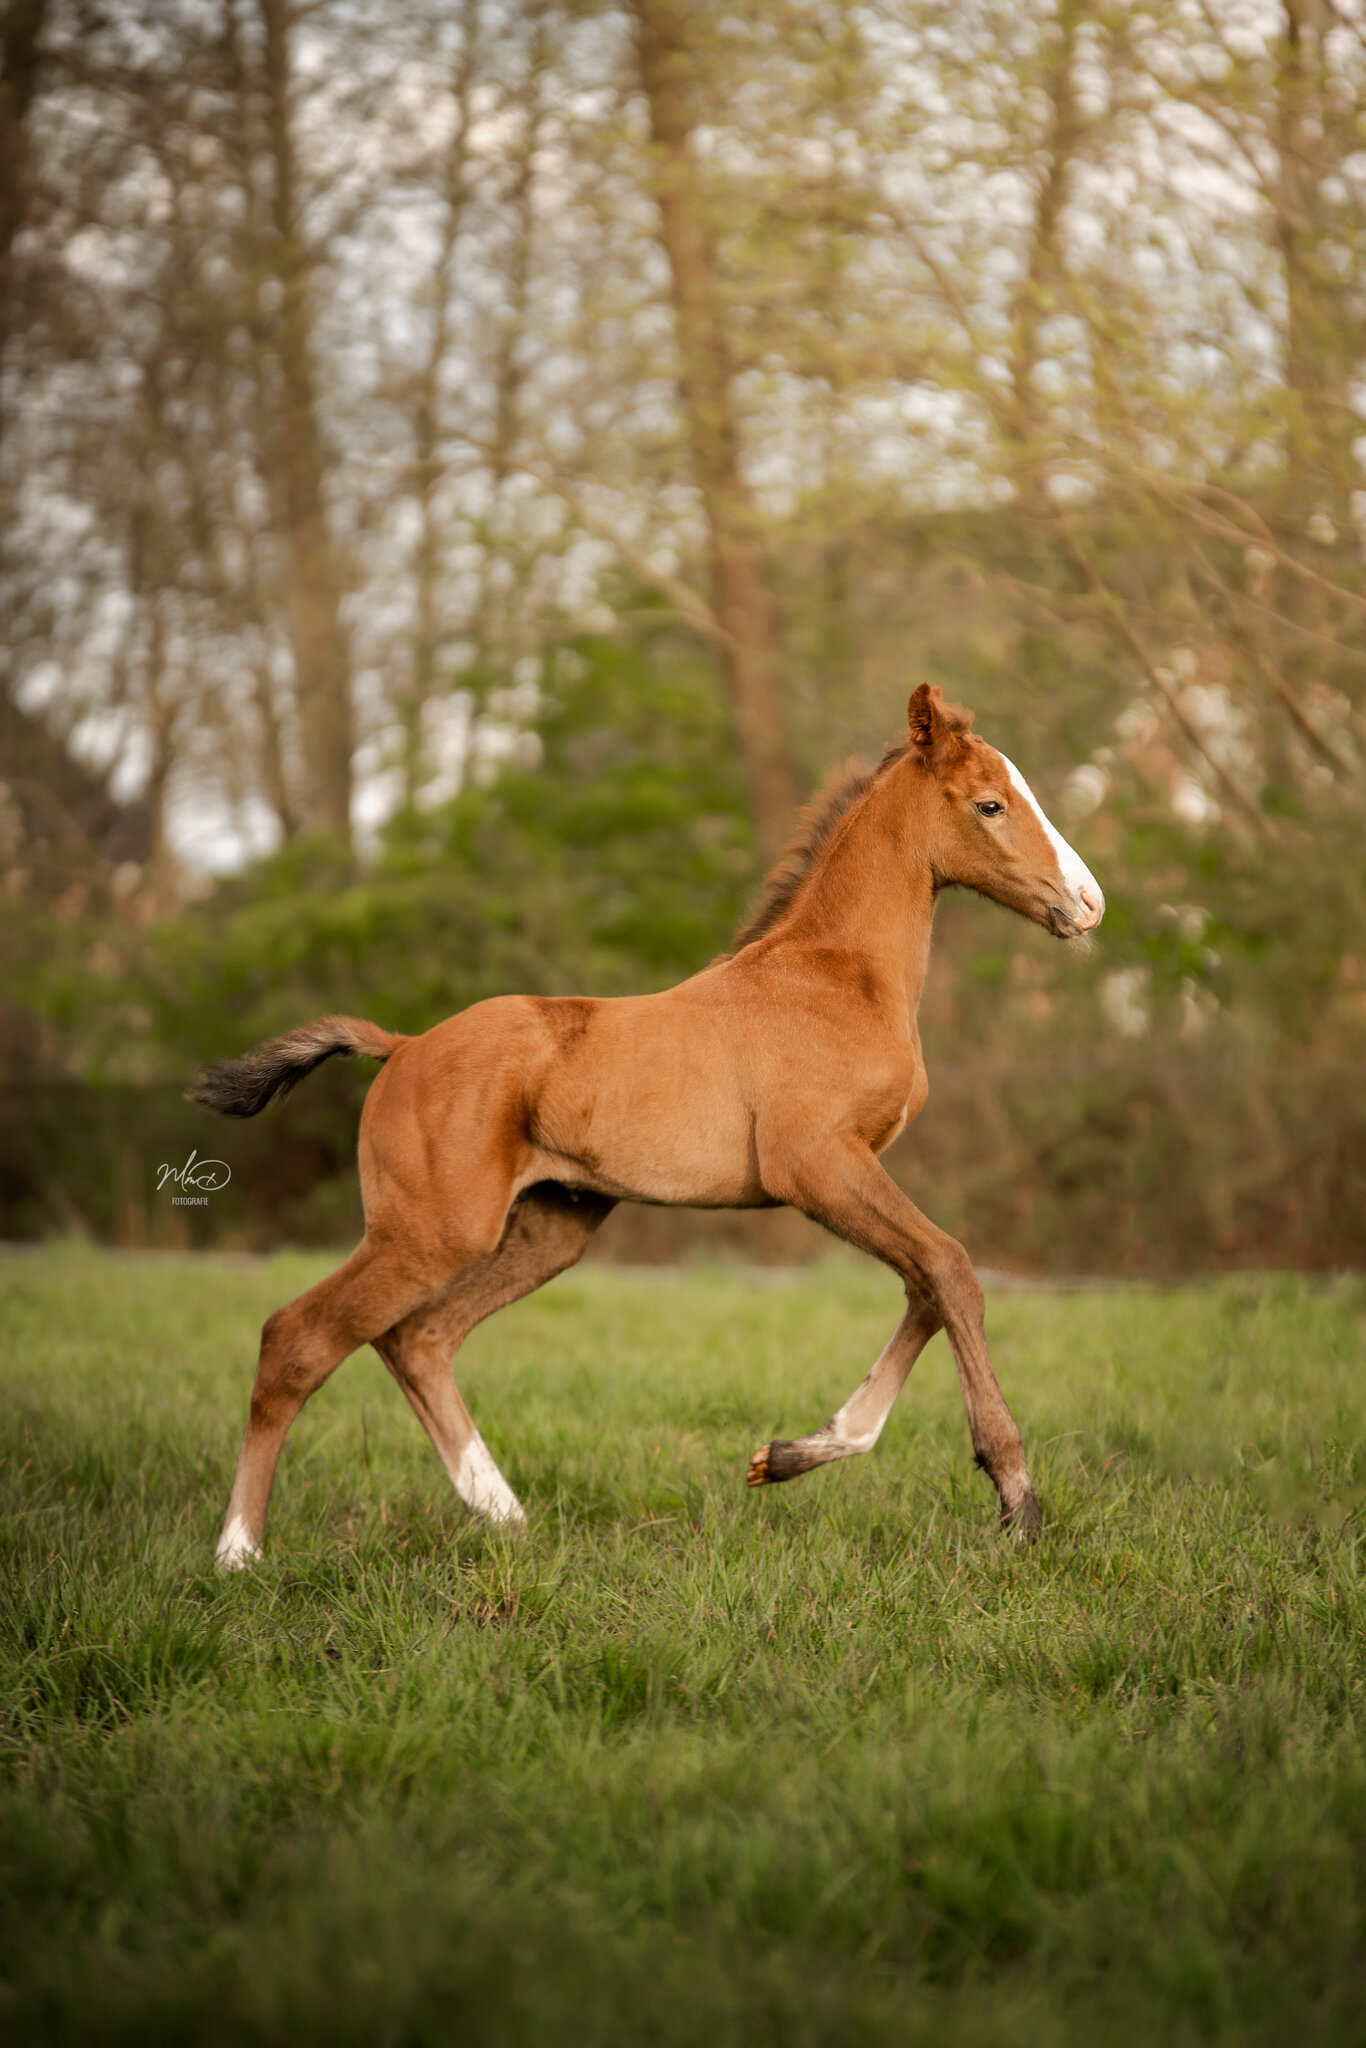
(697,1170)
(649,1113)
(679,1182)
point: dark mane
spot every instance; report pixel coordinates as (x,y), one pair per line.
(841,789)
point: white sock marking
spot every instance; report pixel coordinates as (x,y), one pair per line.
(852,1439)
(483,1488)
(855,1428)
(236,1546)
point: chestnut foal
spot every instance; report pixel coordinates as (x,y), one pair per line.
(493,1146)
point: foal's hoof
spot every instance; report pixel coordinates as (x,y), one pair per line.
(772,1463)
(758,1473)
(1024,1521)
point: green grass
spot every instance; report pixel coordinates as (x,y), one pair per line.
(831,1762)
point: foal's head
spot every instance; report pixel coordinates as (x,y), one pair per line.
(987,830)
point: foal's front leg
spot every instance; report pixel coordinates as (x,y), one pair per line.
(856,1426)
(845,1188)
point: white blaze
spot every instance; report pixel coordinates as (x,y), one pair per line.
(1077,877)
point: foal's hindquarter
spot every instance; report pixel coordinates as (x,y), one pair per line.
(493,1146)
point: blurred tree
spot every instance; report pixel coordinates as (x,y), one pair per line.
(423,397)
(676,89)
(266,77)
(21,28)
(1014,349)
(614,855)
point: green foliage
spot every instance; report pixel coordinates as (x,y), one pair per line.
(832,1762)
(621,862)
(1265,925)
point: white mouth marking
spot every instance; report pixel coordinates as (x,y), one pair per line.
(1077,877)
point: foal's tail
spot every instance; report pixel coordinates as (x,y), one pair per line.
(244,1087)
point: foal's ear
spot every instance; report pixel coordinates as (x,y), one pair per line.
(929,720)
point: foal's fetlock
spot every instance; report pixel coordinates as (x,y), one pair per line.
(1019,1507)
(506,1520)
(1024,1520)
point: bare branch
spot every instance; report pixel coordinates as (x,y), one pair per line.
(687,602)
(1115,612)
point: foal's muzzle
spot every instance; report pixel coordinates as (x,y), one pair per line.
(1079,913)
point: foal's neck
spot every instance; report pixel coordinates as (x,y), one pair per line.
(873,891)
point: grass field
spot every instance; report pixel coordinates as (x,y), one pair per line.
(828,1763)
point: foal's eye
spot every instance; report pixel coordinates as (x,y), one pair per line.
(990,809)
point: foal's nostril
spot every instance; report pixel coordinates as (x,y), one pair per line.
(1092,901)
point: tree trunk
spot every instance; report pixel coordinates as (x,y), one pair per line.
(21,25)
(1319,328)
(495,624)
(1036,299)
(428,462)
(741,599)
(313,580)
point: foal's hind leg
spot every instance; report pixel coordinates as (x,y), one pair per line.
(856,1426)
(300,1346)
(546,1232)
